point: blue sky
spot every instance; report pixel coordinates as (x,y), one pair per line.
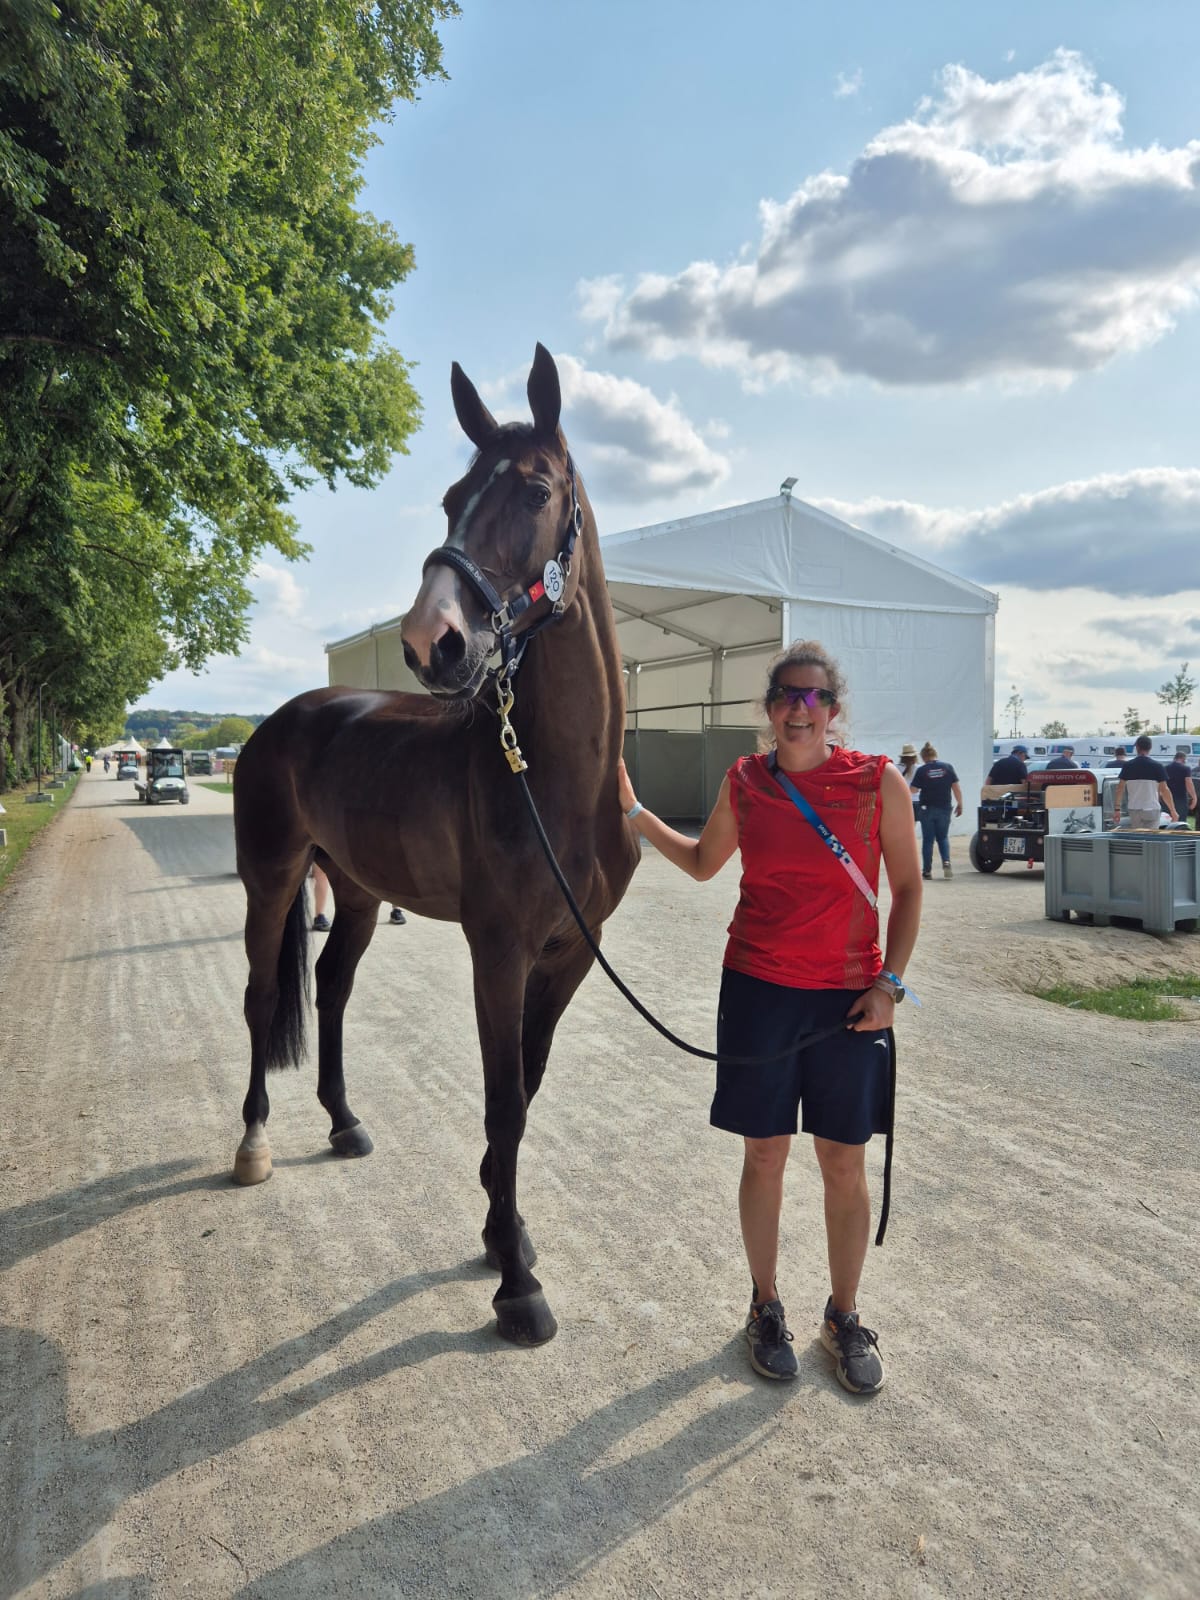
(939,264)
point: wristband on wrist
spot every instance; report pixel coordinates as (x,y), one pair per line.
(896,987)
(635,810)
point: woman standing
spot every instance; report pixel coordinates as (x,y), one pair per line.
(803,958)
(937,788)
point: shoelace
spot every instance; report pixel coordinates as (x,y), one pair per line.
(854,1339)
(771,1327)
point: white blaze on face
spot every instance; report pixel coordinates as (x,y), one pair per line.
(458,537)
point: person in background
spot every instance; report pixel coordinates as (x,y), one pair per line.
(1146,781)
(1010,769)
(1179,781)
(320,921)
(908,764)
(936,786)
(1064,762)
(803,959)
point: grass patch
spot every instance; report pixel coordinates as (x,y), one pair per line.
(22,823)
(219,784)
(1139,1000)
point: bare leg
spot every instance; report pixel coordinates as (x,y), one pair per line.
(847,1216)
(760,1205)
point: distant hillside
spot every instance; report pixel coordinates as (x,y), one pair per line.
(157,723)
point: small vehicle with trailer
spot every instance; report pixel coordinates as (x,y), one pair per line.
(165,778)
(1014,819)
(127,764)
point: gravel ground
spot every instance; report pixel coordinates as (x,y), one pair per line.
(296,1390)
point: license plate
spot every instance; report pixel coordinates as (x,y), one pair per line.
(1014,847)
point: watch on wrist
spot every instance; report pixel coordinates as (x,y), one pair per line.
(892,984)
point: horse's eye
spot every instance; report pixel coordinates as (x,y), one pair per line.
(537,495)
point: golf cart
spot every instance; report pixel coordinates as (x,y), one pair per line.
(164,778)
(127,764)
(1014,819)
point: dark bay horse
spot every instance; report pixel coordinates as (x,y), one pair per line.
(409,799)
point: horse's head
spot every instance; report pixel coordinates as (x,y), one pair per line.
(511,519)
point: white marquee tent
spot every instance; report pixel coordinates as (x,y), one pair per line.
(703,603)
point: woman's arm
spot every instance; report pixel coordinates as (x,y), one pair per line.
(875,1009)
(700,858)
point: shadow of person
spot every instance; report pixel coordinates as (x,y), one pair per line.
(87,1478)
(536,1524)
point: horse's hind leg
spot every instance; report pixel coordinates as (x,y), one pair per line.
(274,1005)
(354,920)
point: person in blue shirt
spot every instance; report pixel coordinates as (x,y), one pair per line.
(1064,762)
(1010,769)
(935,784)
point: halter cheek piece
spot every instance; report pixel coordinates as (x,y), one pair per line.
(506,613)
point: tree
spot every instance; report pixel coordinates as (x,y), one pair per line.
(1054,730)
(1176,694)
(230,730)
(192,302)
(1132,721)
(1014,706)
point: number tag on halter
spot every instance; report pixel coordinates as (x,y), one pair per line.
(555,583)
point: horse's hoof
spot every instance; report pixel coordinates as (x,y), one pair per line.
(527,1319)
(253,1165)
(491,1255)
(355,1141)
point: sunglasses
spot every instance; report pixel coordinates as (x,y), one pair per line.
(812,698)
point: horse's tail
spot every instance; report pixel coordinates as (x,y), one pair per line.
(287,1038)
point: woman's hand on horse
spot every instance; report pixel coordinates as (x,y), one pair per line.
(624,787)
(872,1011)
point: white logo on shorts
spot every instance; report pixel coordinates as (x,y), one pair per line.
(883,1042)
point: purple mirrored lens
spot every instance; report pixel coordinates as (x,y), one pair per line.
(812,698)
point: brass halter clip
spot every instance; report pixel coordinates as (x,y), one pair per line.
(505,699)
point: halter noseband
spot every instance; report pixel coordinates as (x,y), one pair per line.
(505,614)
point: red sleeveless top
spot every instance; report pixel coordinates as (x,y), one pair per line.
(801,921)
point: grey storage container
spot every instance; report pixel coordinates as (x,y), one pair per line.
(1153,877)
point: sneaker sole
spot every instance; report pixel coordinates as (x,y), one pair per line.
(764,1372)
(828,1343)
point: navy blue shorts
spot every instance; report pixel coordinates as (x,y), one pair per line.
(843,1084)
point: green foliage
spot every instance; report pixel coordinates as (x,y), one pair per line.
(1054,730)
(1133,721)
(1178,692)
(230,730)
(1139,1000)
(192,316)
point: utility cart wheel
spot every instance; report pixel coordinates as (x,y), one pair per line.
(979,861)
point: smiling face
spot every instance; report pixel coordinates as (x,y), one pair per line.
(800,730)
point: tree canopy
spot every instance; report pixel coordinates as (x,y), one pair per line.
(192,310)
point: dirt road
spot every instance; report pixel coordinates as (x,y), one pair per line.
(295,1391)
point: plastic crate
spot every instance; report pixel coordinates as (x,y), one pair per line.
(1152,877)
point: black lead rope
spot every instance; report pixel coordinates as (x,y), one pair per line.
(710,1055)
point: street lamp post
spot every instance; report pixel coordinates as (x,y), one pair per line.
(39,795)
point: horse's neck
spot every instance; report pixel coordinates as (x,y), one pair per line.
(572,690)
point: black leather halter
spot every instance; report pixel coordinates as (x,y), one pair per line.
(504,614)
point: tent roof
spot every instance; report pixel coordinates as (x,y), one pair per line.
(719,580)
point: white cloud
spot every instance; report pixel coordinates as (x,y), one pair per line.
(277,591)
(1003,230)
(847,84)
(1135,533)
(632,445)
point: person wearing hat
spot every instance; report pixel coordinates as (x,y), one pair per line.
(1010,769)
(1065,762)
(908,764)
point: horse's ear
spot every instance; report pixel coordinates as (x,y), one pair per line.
(545,396)
(476,420)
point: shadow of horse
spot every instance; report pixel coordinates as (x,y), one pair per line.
(586,1504)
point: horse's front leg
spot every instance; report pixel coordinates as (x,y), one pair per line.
(522,1313)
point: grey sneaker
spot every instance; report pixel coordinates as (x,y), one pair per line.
(947,870)
(855,1348)
(770,1341)
(397,917)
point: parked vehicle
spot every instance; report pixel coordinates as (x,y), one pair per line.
(200,761)
(1013,826)
(127,766)
(164,778)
